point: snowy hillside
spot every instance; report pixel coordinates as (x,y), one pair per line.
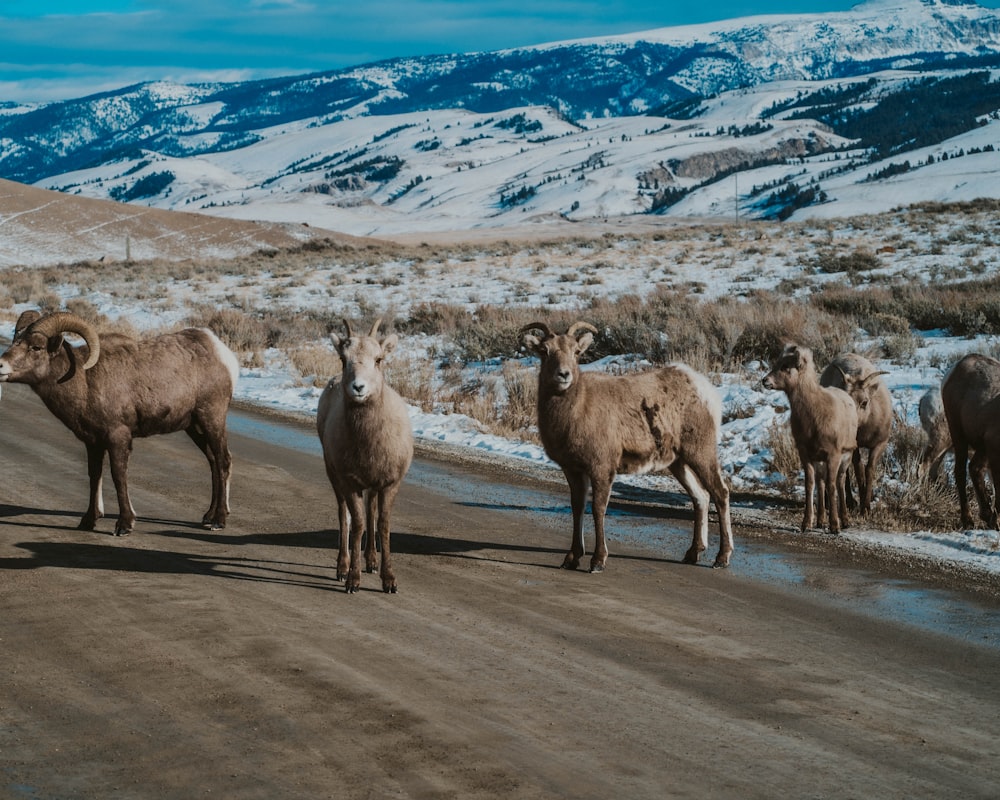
(891,103)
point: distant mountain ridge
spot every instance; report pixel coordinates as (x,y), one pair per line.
(670,73)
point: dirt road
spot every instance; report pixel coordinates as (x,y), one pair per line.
(180,663)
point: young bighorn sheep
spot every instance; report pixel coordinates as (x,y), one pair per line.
(824,424)
(367,440)
(114,388)
(933,421)
(858,377)
(595,426)
(970,395)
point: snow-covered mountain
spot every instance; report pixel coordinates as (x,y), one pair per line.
(890,103)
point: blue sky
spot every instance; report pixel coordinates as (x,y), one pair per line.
(57,50)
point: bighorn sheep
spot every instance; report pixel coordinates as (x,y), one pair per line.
(858,377)
(933,421)
(115,388)
(364,428)
(595,426)
(824,424)
(970,395)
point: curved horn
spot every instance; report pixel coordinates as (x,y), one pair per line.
(581,326)
(537,326)
(64,322)
(375,325)
(347,324)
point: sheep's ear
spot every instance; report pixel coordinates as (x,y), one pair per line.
(55,344)
(584,342)
(338,342)
(389,344)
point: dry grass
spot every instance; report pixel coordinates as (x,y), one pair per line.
(291,299)
(315,363)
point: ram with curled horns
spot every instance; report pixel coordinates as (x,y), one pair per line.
(115,388)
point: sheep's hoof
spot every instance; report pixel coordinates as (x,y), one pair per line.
(352,588)
(596,568)
(390,589)
(87,524)
(691,556)
(722,562)
(122,531)
(570,562)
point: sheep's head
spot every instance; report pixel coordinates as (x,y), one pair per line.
(560,354)
(38,340)
(861,388)
(363,359)
(787,369)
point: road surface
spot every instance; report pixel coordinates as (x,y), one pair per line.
(180,663)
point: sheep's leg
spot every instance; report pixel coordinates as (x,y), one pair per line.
(373,514)
(714,481)
(994,467)
(859,476)
(935,461)
(874,457)
(821,499)
(809,517)
(221,464)
(961,467)
(95,469)
(600,491)
(386,497)
(843,473)
(699,497)
(578,485)
(987,508)
(836,473)
(344,554)
(197,435)
(344,521)
(213,444)
(356,506)
(118,454)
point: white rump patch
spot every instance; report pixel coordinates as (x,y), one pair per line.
(707,392)
(226,356)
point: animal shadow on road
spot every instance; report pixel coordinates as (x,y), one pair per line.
(74,555)
(8,511)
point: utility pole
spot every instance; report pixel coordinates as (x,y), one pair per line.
(736,190)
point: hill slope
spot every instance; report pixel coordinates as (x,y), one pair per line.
(774,117)
(38,226)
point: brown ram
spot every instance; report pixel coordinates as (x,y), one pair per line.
(595,426)
(857,376)
(115,388)
(824,423)
(364,427)
(970,395)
